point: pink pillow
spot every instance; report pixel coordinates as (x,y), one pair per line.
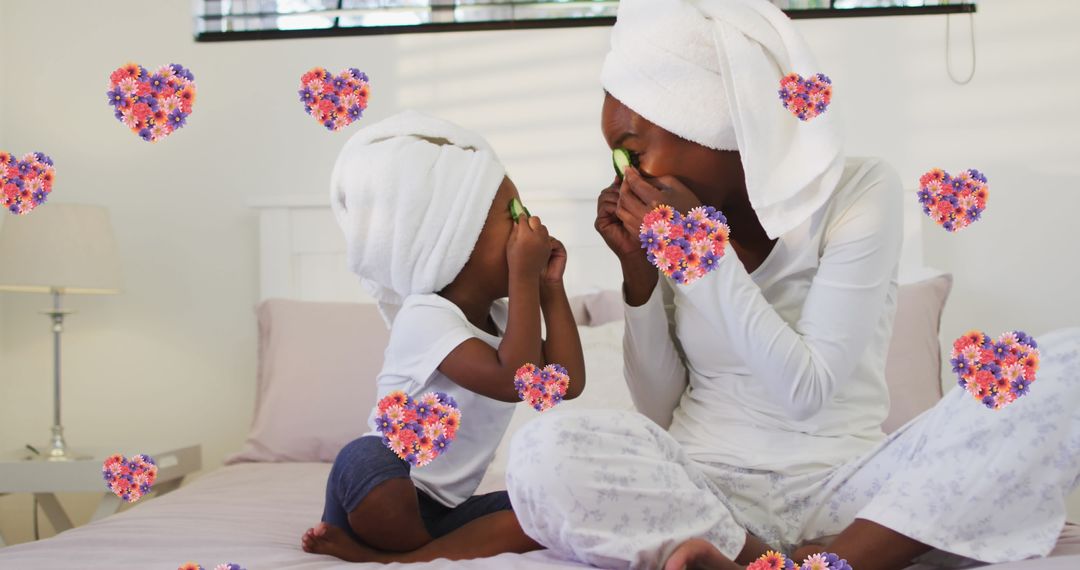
(913,364)
(316,379)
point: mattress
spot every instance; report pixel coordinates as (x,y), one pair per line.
(253,514)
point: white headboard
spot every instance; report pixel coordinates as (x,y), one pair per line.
(302,251)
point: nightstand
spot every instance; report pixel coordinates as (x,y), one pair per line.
(22,474)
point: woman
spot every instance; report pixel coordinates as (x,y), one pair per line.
(761,386)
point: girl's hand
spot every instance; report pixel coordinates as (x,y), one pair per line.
(638,196)
(553,273)
(529,248)
(623,243)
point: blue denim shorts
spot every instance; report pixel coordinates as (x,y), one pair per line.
(365,463)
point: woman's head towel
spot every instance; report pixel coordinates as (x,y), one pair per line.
(411,193)
(709,71)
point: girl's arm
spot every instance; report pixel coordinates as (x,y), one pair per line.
(475,365)
(563,346)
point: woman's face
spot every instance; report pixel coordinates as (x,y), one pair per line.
(712,175)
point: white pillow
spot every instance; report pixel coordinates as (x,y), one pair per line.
(605,389)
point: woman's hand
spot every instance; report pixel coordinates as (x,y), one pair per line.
(528,249)
(639,196)
(556,265)
(623,243)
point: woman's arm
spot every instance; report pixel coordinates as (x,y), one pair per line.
(804,364)
(652,363)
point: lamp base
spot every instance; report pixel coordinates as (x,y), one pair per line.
(57,450)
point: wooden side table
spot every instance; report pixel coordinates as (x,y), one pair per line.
(20,474)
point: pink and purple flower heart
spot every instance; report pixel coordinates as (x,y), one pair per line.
(129,479)
(223,566)
(542,388)
(420,430)
(153,105)
(25,183)
(805,98)
(953,202)
(684,248)
(995,372)
(334,101)
(772,560)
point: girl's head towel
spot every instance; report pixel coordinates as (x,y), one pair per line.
(709,71)
(411,193)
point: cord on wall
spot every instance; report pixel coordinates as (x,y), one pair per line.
(948,60)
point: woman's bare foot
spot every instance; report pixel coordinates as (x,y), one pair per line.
(800,555)
(698,554)
(328,539)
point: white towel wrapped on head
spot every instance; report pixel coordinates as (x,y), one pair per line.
(411,194)
(709,71)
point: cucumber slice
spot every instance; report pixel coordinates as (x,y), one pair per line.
(517,209)
(620,157)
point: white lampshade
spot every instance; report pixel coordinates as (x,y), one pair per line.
(58,246)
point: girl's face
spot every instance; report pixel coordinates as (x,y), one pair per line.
(712,175)
(488,262)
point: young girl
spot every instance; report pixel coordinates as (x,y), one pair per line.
(425,207)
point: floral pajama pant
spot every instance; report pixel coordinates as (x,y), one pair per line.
(615,490)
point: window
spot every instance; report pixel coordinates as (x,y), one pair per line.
(218,20)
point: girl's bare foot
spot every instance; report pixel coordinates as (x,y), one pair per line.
(328,539)
(698,554)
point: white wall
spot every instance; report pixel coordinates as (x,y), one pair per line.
(174,354)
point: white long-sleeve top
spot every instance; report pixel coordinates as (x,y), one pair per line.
(782,369)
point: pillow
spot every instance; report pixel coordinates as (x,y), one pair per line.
(316,379)
(913,363)
(605,389)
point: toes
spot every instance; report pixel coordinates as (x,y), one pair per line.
(320,529)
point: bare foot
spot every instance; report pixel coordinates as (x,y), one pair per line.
(800,555)
(328,539)
(698,554)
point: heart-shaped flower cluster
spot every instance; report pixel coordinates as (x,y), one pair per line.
(152,105)
(806,98)
(129,479)
(953,202)
(196,566)
(542,388)
(334,101)
(775,561)
(772,560)
(684,248)
(25,183)
(420,430)
(995,372)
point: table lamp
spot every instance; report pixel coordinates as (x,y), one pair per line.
(59,249)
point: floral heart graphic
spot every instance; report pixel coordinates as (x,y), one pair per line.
(420,430)
(129,479)
(196,566)
(775,561)
(953,202)
(996,373)
(25,183)
(805,98)
(543,388)
(335,102)
(152,105)
(684,248)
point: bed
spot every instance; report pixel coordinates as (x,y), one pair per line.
(319,334)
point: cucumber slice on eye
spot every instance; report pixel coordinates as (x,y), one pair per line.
(620,157)
(517,209)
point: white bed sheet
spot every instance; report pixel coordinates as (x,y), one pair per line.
(253,514)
